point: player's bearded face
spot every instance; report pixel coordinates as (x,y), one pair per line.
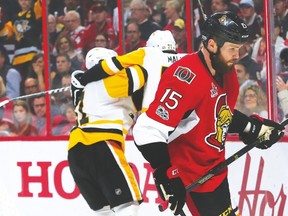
(220,64)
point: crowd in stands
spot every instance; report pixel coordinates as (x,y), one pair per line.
(75,26)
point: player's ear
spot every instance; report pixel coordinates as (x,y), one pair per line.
(212,45)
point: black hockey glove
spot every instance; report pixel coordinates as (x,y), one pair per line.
(170,187)
(268,131)
(76,87)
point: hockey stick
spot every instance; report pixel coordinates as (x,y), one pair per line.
(202,10)
(52,91)
(220,167)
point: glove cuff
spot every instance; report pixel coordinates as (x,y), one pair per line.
(156,154)
(172,172)
(76,78)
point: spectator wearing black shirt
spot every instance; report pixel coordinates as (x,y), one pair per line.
(140,12)
(63,66)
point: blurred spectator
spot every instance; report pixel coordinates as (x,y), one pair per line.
(70,114)
(56,8)
(71,5)
(7,128)
(26,29)
(63,7)
(5,111)
(252,100)
(53,30)
(65,97)
(219,6)
(133,39)
(140,12)
(259,50)
(63,66)
(74,29)
(252,67)
(125,15)
(8,9)
(224,5)
(7,12)
(179,33)
(102,40)
(251,18)
(158,16)
(11,77)
(99,24)
(23,119)
(281,11)
(243,76)
(39,108)
(62,126)
(37,70)
(284,60)
(172,12)
(282,89)
(64,44)
(2,90)
(31,86)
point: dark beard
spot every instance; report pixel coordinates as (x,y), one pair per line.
(219,65)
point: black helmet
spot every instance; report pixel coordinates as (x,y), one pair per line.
(225,27)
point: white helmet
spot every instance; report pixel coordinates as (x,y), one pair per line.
(96,54)
(163,40)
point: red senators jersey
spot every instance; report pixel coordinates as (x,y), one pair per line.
(192,112)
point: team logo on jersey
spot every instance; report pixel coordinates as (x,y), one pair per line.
(184,74)
(214,90)
(223,118)
(162,113)
(20,27)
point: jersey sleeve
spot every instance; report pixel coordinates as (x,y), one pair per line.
(38,9)
(112,66)
(6,30)
(126,82)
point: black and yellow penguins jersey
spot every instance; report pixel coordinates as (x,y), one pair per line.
(26,28)
(106,110)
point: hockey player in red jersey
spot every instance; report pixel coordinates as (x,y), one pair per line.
(193,111)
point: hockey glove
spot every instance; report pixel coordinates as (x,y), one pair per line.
(170,187)
(267,130)
(76,87)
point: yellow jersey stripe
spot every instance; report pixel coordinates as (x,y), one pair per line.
(126,169)
(88,138)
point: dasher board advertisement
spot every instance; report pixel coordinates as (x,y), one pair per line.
(35,180)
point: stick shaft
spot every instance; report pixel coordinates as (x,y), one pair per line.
(49,92)
(202,10)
